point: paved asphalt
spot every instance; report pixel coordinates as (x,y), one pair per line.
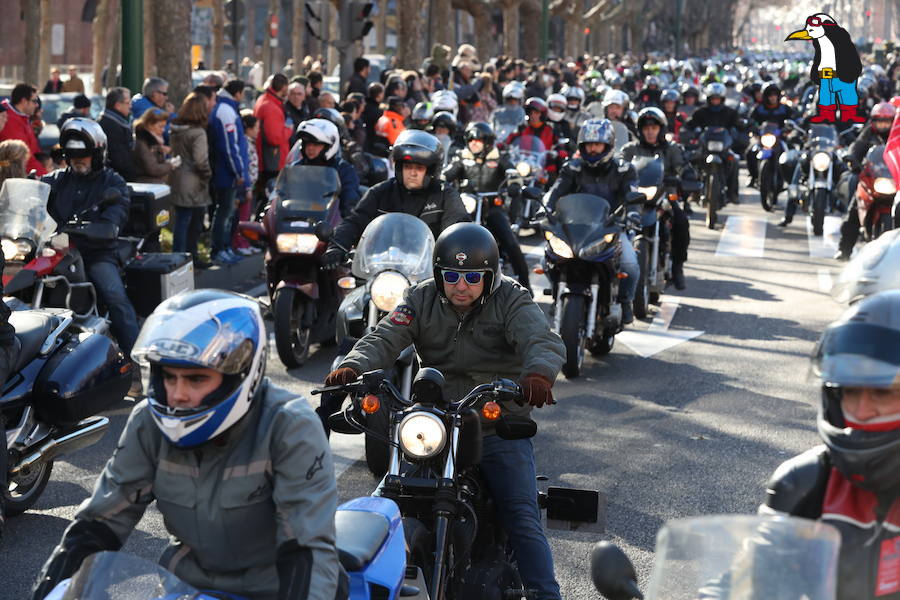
(695,429)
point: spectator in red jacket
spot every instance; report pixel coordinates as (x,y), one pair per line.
(20,107)
(274,129)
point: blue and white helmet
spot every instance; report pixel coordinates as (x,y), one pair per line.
(211,329)
(597,131)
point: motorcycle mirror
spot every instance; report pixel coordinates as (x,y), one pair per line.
(324,231)
(635,198)
(612,572)
(511,427)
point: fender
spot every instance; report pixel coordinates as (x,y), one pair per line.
(713,159)
(310,289)
(764,154)
(576,290)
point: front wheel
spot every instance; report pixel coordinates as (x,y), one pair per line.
(819,204)
(642,293)
(573,334)
(291,339)
(712,200)
(377,450)
(767,186)
(24,489)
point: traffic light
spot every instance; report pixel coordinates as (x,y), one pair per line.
(313,19)
(234,14)
(358,23)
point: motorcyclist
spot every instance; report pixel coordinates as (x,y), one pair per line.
(556,112)
(474,325)
(770,110)
(510,114)
(320,141)
(690,98)
(239,468)
(415,189)
(716,114)
(445,128)
(651,142)
(596,171)
(668,101)
(650,93)
(575,114)
(873,134)
(537,126)
(81,191)
(421,116)
(483,168)
(615,107)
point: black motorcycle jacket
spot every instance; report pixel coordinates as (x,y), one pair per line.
(672,154)
(74,195)
(611,180)
(867,138)
(438,205)
(777,114)
(708,116)
(482,174)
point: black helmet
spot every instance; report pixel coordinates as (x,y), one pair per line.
(329,114)
(771,89)
(651,113)
(444,119)
(468,247)
(600,131)
(861,350)
(479,130)
(81,137)
(670,95)
(419,147)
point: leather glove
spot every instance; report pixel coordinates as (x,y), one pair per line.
(332,258)
(341,376)
(536,390)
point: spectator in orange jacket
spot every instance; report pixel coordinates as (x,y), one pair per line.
(390,124)
(20,107)
(274,129)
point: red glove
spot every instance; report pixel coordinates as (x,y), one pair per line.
(341,376)
(536,390)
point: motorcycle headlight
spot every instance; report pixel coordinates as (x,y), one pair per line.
(715,146)
(649,191)
(387,290)
(885,186)
(821,161)
(768,140)
(296,243)
(523,169)
(559,247)
(422,435)
(470,202)
(15,249)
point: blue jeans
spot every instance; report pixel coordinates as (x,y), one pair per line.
(186,231)
(223,198)
(111,292)
(628,264)
(508,468)
(834,91)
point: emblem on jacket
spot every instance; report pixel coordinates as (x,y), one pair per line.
(402,315)
(461,257)
(315,467)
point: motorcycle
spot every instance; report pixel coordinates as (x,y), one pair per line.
(714,157)
(369,539)
(393,253)
(733,556)
(875,192)
(62,377)
(530,156)
(449,519)
(813,169)
(769,149)
(873,269)
(581,262)
(304,298)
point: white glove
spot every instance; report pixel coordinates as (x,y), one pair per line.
(175,161)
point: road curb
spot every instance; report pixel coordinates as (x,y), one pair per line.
(237,276)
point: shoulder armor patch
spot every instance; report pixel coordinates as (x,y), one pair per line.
(798,485)
(574,165)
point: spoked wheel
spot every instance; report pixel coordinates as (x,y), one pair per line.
(642,294)
(768,190)
(291,340)
(712,200)
(25,488)
(573,334)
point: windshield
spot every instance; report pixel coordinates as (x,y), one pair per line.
(528,148)
(120,576)
(307,191)
(746,557)
(23,211)
(583,217)
(825,132)
(649,169)
(398,242)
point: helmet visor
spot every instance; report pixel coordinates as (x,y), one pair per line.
(858,355)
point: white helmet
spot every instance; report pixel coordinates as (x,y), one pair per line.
(574,96)
(616,97)
(323,132)
(556,107)
(514,89)
(445,101)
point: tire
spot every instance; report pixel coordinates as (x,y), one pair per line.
(419,551)
(572,332)
(767,186)
(880,226)
(603,346)
(712,200)
(24,490)
(291,342)
(817,208)
(378,451)
(642,294)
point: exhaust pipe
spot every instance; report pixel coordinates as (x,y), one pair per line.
(87,433)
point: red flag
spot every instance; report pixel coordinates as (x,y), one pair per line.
(892,148)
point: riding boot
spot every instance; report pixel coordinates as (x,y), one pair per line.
(825,114)
(678,275)
(627,313)
(848,114)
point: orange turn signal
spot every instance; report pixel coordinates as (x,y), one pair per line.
(347,283)
(673,197)
(622,275)
(538,270)
(490,411)
(498,201)
(370,404)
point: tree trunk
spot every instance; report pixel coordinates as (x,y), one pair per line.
(297,29)
(511,28)
(381,48)
(442,23)
(115,47)
(32,13)
(101,42)
(410,33)
(44,55)
(173,44)
(332,58)
(217,56)
(530,44)
(149,41)
(483,39)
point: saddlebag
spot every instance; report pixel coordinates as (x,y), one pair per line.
(153,277)
(149,212)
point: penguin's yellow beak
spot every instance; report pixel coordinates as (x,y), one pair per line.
(799,35)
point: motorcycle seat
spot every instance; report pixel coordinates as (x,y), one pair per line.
(359,535)
(32,328)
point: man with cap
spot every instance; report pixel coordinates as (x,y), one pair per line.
(81,107)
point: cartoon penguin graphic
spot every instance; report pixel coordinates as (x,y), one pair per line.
(835,68)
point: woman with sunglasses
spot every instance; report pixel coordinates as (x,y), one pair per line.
(475,325)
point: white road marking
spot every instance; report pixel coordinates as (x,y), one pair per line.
(827,244)
(743,236)
(657,337)
(345,450)
(825,281)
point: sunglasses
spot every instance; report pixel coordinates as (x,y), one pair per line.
(817,22)
(472,277)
